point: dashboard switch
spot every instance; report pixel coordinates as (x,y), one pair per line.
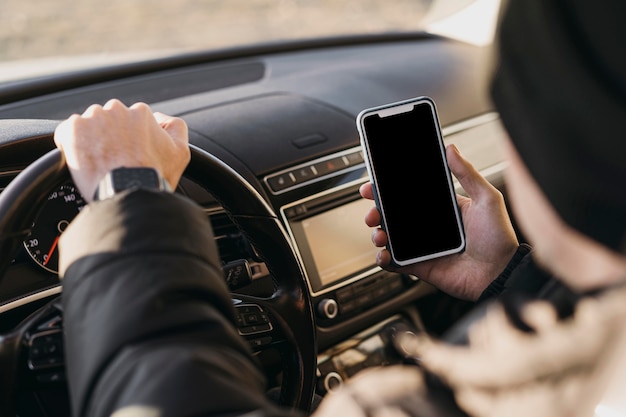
(332,382)
(327,308)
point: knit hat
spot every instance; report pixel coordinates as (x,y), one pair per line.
(560,89)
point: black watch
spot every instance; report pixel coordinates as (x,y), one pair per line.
(120,179)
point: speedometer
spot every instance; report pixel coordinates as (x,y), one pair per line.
(56,214)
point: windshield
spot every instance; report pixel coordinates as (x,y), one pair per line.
(54,32)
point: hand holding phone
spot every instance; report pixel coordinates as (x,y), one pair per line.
(411,181)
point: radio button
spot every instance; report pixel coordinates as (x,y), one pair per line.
(348,307)
(344,294)
(332,382)
(327,308)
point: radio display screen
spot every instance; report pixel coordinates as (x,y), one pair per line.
(335,243)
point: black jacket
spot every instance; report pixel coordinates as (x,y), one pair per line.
(148,319)
(149,323)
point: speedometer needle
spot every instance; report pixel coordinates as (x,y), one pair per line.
(54,246)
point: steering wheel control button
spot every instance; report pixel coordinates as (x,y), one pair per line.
(51,377)
(260,342)
(252,319)
(327,308)
(237,273)
(46,350)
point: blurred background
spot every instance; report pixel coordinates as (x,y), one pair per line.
(34,29)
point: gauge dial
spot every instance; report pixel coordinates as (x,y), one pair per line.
(55,215)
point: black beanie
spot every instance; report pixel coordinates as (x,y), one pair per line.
(560,88)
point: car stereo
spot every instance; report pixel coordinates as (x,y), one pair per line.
(334,245)
(332,238)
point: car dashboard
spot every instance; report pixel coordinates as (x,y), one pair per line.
(283,117)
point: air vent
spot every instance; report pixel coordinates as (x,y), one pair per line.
(231,243)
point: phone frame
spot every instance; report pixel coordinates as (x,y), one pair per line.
(392,109)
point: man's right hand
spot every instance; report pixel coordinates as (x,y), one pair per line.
(491,239)
(112,136)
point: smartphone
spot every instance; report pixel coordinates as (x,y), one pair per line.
(413,188)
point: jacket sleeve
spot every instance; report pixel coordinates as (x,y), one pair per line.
(147,316)
(523,277)
(517,267)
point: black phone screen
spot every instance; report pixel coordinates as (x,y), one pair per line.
(413,183)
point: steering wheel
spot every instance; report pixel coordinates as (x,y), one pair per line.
(288,308)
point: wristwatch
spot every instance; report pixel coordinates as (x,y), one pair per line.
(120,179)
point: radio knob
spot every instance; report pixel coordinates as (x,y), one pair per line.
(332,381)
(327,308)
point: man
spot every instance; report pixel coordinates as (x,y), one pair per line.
(148,320)
(560,88)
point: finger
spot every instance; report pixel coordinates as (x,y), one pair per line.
(162,118)
(490,342)
(379,238)
(140,110)
(174,126)
(114,104)
(470,179)
(476,401)
(366,191)
(372,217)
(92,111)
(141,106)
(539,315)
(493,331)
(383,259)
(385,385)
(490,366)
(63,129)
(457,365)
(462,200)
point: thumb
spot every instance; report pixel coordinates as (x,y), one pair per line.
(470,179)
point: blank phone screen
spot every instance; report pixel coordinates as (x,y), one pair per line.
(413,183)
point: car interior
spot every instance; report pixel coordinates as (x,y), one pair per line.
(276,164)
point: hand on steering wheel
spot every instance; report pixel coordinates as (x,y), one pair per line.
(113,135)
(289,307)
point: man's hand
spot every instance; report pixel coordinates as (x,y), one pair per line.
(112,136)
(557,369)
(491,239)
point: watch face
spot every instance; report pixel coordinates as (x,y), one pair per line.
(121,179)
(129,178)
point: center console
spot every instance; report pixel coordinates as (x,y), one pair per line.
(325,220)
(334,245)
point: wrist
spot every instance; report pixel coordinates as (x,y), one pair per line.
(122,179)
(498,284)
